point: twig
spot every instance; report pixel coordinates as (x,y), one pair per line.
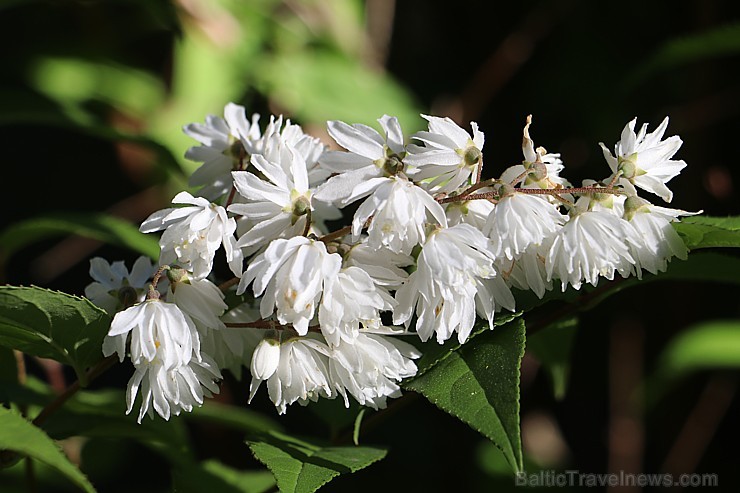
(57,403)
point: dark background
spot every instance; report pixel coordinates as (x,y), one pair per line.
(582,69)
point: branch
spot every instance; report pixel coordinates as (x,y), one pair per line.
(57,403)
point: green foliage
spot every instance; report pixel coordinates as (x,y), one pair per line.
(212,475)
(324,86)
(479,384)
(722,41)
(20,436)
(100,227)
(52,325)
(302,466)
(552,347)
(708,345)
(709,232)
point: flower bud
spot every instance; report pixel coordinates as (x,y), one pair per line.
(628,167)
(176,274)
(472,156)
(537,171)
(265,358)
(633,205)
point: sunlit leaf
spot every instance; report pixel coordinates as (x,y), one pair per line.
(479,384)
(52,325)
(20,436)
(98,226)
(302,466)
(709,232)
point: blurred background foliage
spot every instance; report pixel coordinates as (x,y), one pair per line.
(93,94)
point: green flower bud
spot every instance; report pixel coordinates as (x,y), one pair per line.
(633,205)
(177,274)
(472,156)
(628,166)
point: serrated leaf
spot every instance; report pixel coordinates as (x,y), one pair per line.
(434,353)
(479,384)
(19,435)
(212,475)
(709,232)
(103,227)
(302,466)
(52,325)
(552,347)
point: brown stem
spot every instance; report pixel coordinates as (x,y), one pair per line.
(57,403)
(336,234)
(232,193)
(477,186)
(472,196)
(307,228)
(224,286)
(267,324)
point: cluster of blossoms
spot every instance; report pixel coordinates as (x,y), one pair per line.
(431,247)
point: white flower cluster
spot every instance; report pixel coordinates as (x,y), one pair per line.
(430,248)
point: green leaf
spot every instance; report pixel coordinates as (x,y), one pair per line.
(301,466)
(19,435)
(320,86)
(552,347)
(356,429)
(719,42)
(711,345)
(234,417)
(434,353)
(101,227)
(714,344)
(479,384)
(212,475)
(709,232)
(53,325)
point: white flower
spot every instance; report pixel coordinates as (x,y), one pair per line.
(168,391)
(450,269)
(370,155)
(473,212)
(519,220)
(350,299)
(528,272)
(114,287)
(231,348)
(644,160)
(290,276)
(386,268)
(158,329)
(221,149)
(543,167)
(199,298)
(591,244)
(370,367)
(278,207)
(450,156)
(265,358)
(301,375)
(659,240)
(310,149)
(399,210)
(193,234)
